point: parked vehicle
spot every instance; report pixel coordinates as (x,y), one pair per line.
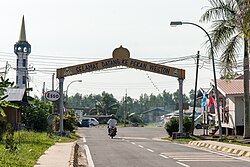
(93,122)
(87,121)
(84,123)
(198,124)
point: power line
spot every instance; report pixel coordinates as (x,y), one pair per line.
(153,83)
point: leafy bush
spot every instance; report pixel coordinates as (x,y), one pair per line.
(69,122)
(3,125)
(187,123)
(135,118)
(3,122)
(173,125)
(10,141)
(35,115)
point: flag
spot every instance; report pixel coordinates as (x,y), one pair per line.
(43,91)
(204,100)
(210,101)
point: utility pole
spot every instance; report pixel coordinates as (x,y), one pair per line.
(52,108)
(43,92)
(53,75)
(125,109)
(6,70)
(195,90)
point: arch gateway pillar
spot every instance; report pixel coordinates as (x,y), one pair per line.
(121,57)
(61,104)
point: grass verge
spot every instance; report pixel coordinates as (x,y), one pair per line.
(181,140)
(30,146)
(238,140)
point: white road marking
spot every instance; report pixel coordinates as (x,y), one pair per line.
(135,138)
(208,160)
(141,146)
(219,153)
(150,150)
(174,154)
(201,158)
(160,139)
(88,155)
(196,156)
(84,140)
(132,143)
(163,156)
(182,164)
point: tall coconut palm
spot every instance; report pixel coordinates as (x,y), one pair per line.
(230,30)
(107,105)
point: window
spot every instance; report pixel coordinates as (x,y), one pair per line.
(24,79)
(24,62)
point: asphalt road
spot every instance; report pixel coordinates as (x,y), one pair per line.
(139,147)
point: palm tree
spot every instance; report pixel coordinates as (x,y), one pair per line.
(107,105)
(230,29)
(3,85)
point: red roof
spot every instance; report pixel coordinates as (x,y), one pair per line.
(227,87)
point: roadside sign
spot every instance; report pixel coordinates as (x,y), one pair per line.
(52,95)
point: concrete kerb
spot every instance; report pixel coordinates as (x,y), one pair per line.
(73,162)
(224,147)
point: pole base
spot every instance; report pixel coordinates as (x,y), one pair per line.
(59,133)
(177,135)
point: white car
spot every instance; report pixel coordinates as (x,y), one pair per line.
(93,122)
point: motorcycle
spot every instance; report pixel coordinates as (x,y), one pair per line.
(112,132)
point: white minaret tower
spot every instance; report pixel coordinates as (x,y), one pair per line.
(22,49)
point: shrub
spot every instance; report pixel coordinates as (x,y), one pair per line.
(3,125)
(187,123)
(173,125)
(69,122)
(10,141)
(35,115)
(135,119)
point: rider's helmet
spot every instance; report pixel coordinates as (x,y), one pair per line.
(112,116)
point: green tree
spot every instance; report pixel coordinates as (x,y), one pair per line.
(144,99)
(3,123)
(191,97)
(88,101)
(3,85)
(35,115)
(230,29)
(75,101)
(176,98)
(168,100)
(135,118)
(107,104)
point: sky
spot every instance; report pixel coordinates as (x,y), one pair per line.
(65,33)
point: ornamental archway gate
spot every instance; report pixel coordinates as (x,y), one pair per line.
(121,57)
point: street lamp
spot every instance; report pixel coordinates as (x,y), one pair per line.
(176,23)
(68,88)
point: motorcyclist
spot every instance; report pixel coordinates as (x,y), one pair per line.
(112,123)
